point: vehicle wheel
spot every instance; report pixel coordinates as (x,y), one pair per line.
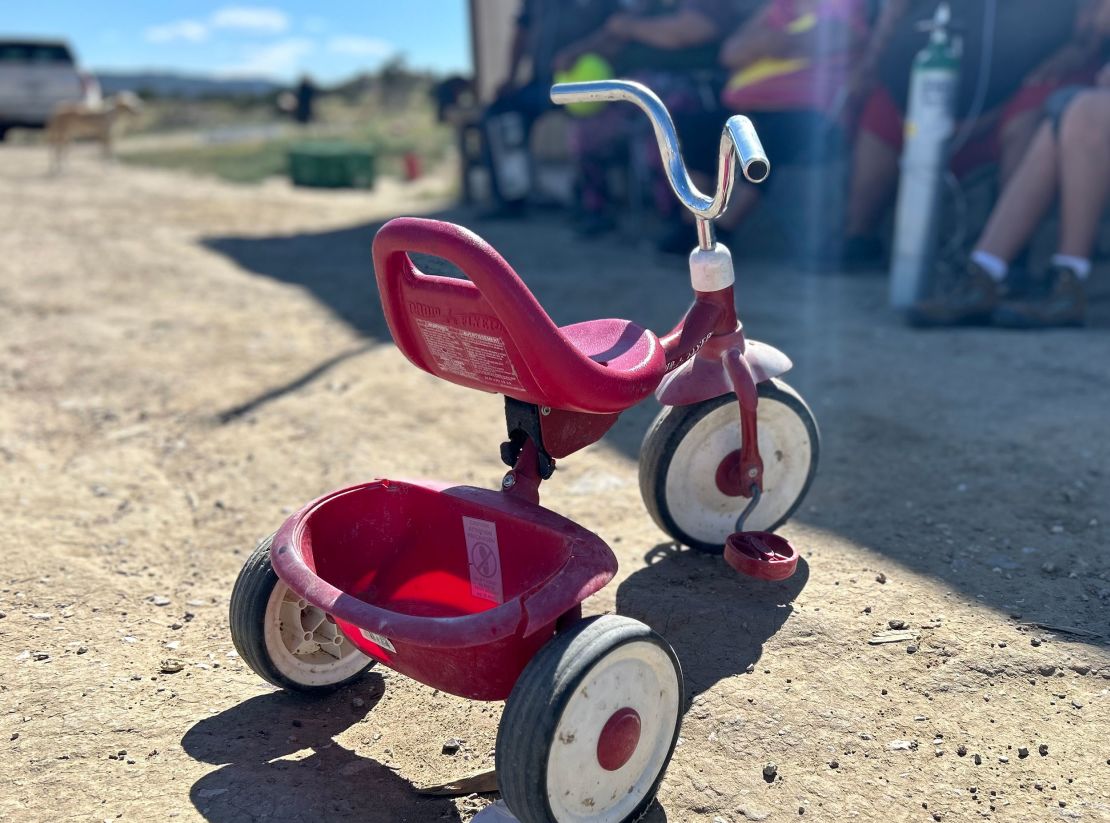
(685,446)
(284,639)
(591,725)
(3,133)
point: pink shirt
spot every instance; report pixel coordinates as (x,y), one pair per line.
(812,81)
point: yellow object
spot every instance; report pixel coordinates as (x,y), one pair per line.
(769,67)
(802,24)
(586,68)
(764,69)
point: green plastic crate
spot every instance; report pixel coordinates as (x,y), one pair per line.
(332,165)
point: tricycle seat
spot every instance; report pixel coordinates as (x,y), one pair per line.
(488,332)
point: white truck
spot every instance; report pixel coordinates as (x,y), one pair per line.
(35,76)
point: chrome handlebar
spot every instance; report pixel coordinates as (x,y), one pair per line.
(738,140)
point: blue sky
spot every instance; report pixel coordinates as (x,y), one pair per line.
(278,39)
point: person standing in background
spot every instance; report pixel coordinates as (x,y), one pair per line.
(304,110)
(543,28)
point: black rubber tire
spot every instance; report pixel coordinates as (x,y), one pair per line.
(247,618)
(535,707)
(674,422)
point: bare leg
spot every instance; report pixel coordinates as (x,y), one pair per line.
(874,179)
(1082,166)
(1015,141)
(1084,172)
(1025,200)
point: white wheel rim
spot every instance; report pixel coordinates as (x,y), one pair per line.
(705,513)
(638,675)
(304,643)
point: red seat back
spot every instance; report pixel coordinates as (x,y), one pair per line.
(460,330)
(487,332)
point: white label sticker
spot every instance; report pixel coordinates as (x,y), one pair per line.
(378,639)
(469,354)
(485,559)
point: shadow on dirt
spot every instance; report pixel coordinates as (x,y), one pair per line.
(279,760)
(716,620)
(293,384)
(335,267)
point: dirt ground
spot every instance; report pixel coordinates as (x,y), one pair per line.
(184,362)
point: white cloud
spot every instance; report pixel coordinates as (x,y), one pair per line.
(357,46)
(279,59)
(252,19)
(192,31)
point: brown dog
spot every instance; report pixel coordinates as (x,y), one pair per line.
(73,120)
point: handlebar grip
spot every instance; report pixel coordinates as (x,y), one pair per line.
(753,159)
(738,137)
(587,92)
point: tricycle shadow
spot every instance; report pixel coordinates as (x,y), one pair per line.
(253,739)
(716,620)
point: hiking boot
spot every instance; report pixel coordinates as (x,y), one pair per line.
(968,300)
(1063,304)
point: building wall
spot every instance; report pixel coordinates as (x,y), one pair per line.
(491,33)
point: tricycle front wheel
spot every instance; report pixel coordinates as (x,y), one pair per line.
(591,725)
(686,445)
(284,639)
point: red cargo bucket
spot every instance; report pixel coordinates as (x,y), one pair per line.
(454,586)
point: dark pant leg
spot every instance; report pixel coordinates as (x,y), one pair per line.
(506,126)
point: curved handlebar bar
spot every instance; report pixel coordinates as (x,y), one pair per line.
(738,134)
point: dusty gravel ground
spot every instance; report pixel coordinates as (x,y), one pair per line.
(183,362)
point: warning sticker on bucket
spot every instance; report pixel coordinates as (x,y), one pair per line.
(485,559)
(469,354)
(381,641)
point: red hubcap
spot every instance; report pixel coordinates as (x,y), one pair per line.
(728,475)
(618,739)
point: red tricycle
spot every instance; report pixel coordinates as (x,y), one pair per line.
(479,592)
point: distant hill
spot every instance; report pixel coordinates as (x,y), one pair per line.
(166,84)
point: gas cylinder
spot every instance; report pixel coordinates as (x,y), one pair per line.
(930,123)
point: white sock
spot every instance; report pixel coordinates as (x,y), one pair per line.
(1080,265)
(992,264)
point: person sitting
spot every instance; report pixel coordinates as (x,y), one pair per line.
(1069,158)
(669,46)
(543,29)
(789,65)
(1035,48)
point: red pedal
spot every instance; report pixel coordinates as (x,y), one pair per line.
(763,555)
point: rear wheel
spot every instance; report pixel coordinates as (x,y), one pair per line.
(686,445)
(591,725)
(285,639)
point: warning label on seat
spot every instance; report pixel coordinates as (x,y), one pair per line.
(469,354)
(485,559)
